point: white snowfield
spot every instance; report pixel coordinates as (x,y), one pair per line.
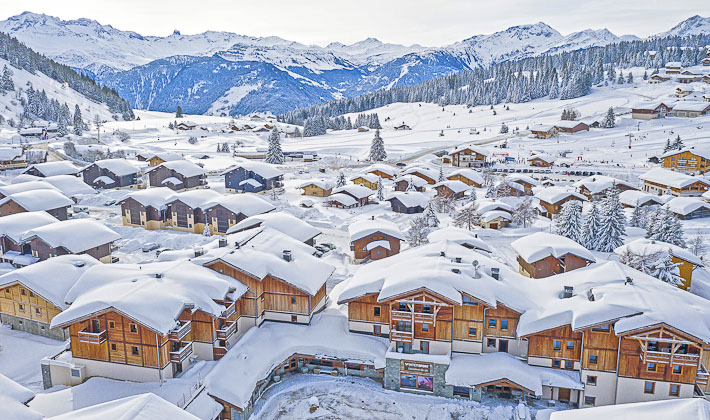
(13,398)
(138,407)
(254,356)
(131,289)
(51,279)
(540,245)
(13,226)
(362,228)
(76,235)
(281,221)
(686,408)
(39,200)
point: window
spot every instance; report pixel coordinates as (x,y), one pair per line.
(491,342)
(569,365)
(134,328)
(134,350)
(38,311)
(377,311)
(674,390)
(469,301)
(653,346)
(556,364)
(471,332)
(424,346)
(491,323)
(461,391)
(376,330)
(403,306)
(293,301)
(591,380)
(23,292)
(424,383)
(76,373)
(111,324)
(503,324)
(557,345)
(589,400)
(21,307)
(649,388)
(294,318)
(426,309)
(570,345)
(425,327)
(32,294)
(651,367)
(113,347)
(503,346)
(677,370)
(592,359)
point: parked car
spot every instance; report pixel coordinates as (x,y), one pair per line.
(150,246)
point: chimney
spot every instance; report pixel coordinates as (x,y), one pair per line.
(475,269)
(373,217)
(456,270)
(458,260)
(158,275)
(287,255)
(629,280)
(442,254)
(199,252)
(237,245)
(79,264)
(495,273)
(590,295)
(222,242)
(568,292)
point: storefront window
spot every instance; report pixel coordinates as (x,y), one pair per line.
(424,383)
(408,381)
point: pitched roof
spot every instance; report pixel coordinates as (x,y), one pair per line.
(320,183)
(343,199)
(691,106)
(543,157)
(369,177)
(15,225)
(643,246)
(156,197)
(69,185)
(62,167)
(476,149)
(468,173)
(183,167)
(554,195)
(25,186)
(684,408)
(76,235)
(673,179)
(411,179)
(264,170)
(281,221)
(363,228)
(13,398)
(686,205)
(598,183)
(632,197)
(196,199)
(39,200)
(138,407)
(386,169)
(541,245)
(357,191)
(410,198)
(460,236)
(246,204)
(705,153)
(118,167)
(455,186)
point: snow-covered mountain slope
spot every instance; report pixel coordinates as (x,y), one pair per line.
(692,26)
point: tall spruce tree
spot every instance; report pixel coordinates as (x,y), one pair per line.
(569,221)
(377,148)
(78,121)
(274,155)
(612,222)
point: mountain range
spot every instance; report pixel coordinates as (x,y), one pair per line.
(226,73)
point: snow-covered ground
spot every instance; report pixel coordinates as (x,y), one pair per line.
(20,355)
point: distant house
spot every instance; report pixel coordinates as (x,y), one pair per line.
(402,126)
(662,181)
(673,67)
(542,160)
(686,208)
(366,180)
(178,175)
(146,208)
(543,131)
(227,211)
(111,173)
(650,111)
(427,174)
(658,78)
(383,171)
(77,236)
(155,159)
(633,198)
(551,200)
(363,129)
(467,176)
(408,202)
(469,156)
(12,158)
(186,210)
(360,194)
(38,132)
(374,239)
(596,187)
(250,176)
(62,167)
(689,78)
(317,188)
(495,219)
(571,127)
(341,201)
(705,61)
(186,125)
(688,109)
(51,201)
(689,160)
(451,189)
(507,188)
(283,222)
(525,181)
(686,261)
(12,228)
(34,156)
(403,182)
(682,93)
(544,254)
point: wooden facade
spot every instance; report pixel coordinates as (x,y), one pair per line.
(220,219)
(540,163)
(561,344)
(550,265)
(136,214)
(11,207)
(42,250)
(359,246)
(687,161)
(695,189)
(316,191)
(185,218)
(157,176)
(464,179)
(601,347)
(20,301)
(551,209)
(467,158)
(445,191)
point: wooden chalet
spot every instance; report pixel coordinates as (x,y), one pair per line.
(12,158)
(541,160)
(452,189)
(467,176)
(178,175)
(317,188)
(429,175)
(186,125)
(155,159)
(658,78)
(551,200)
(543,131)
(48,169)
(690,161)
(374,239)
(76,236)
(469,156)
(597,187)
(111,173)
(571,127)
(358,193)
(661,181)
(650,111)
(185,210)
(147,208)
(368,180)
(250,176)
(408,202)
(49,200)
(13,228)
(382,171)
(285,223)
(226,212)
(545,254)
(688,109)
(403,183)
(673,67)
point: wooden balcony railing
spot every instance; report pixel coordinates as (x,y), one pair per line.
(231,310)
(401,316)
(665,357)
(423,317)
(218,352)
(227,330)
(183,353)
(701,378)
(400,336)
(92,337)
(181,331)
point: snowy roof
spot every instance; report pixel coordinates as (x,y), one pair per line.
(357,191)
(69,185)
(542,156)
(673,64)
(554,195)
(165,156)
(367,177)
(76,235)
(673,179)
(385,169)
(264,170)
(460,236)
(6,190)
(567,123)
(281,221)
(471,370)
(643,246)
(171,180)
(471,174)
(691,106)
(517,178)
(545,128)
(196,198)
(246,204)
(632,197)
(15,225)
(131,289)
(254,356)
(138,407)
(376,244)
(496,214)
(598,183)
(486,205)
(118,167)
(455,186)
(539,245)
(251,181)
(513,185)
(683,408)
(183,167)
(425,267)
(320,183)
(363,228)
(52,278)
(414,180)
(343,199)
(10,153)
(304,271)
(686,205)
(38,200)
(103,179)
(152,197)
(13,398)
(428,172)
(705,153)
(473,148)
(62,167)
(410,198)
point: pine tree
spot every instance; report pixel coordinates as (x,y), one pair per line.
(503,129)
(178,113)
(418,231)
(677,143)
(380,190)
(274,155)
(569,221)
(590,229)
(637,217)
(666,270)
(667,148)
(473,196)
(442,178)
(6,82)
(377,148)
(612,222)
(524,214)
(206,231)
(341,180)
(467,217)
(630,78)
(491,191)
(78,122)
(429,215)
(609,119)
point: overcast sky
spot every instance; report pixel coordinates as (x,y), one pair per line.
(430,22)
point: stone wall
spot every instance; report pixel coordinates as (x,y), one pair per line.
(438,372)
(34,327)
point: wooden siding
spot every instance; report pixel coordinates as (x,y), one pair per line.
(18,300)
(603,345)
(542,344)
(501,313)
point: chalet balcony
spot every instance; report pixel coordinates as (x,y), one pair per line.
(403,316)
(231,310)
(227,330)
(423,317)
(702,376)
(218,352)
(183,353)
(179,333)
(405,336)
(665,357)
(92,337)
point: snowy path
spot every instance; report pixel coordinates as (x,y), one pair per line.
(20,355)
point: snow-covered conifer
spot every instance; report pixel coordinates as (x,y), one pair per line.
(467,217)
(377,148)
(274,154)
(612,222)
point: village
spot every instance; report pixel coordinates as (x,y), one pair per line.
(532,260)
